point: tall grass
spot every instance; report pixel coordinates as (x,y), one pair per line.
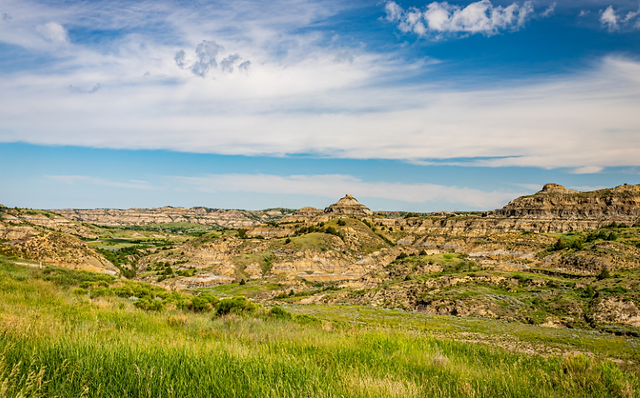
(55,343)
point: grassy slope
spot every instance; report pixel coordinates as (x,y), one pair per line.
(56,343)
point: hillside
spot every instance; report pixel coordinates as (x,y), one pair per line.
(68,333)
(166,215)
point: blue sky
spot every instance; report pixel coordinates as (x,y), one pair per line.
(407,105)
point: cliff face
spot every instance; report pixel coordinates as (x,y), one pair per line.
(553,202)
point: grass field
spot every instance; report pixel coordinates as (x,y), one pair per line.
(57,340)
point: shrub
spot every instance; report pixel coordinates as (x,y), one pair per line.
(402,256)
(422,252)
(122,291)
(80,291)
(102,291)
(150,305)
(199,304)
(279,312)
(331,230)
(604,274)
(242,234)
(342,222)
(238,305)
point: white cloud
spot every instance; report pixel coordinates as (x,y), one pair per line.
(549,11)
(612,20)
(588,170)
(335,186)
(531,187)
(52,32)
(584,13)
(609,19)
(80,180)
(442,18)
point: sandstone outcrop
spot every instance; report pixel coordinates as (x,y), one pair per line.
(554,202)
(348,206)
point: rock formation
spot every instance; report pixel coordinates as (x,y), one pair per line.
(555,202)
(348,206)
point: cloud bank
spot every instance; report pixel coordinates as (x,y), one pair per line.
(252,78)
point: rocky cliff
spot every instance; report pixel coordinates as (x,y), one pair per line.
(555,202)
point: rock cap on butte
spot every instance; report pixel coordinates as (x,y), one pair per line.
(348,205)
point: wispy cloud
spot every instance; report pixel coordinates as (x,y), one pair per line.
(609,19)
(549,11)
(336,185)
(88,180)
(587,170)
(440,18)
(580,121)
(615,20)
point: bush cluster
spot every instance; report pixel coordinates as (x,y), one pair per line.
(602,235)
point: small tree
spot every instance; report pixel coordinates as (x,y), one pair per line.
(604,274)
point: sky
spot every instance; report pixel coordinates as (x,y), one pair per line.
(407,105)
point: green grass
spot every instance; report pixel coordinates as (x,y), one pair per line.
(56,343)
(251,289)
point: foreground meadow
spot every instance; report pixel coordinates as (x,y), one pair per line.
(58,339)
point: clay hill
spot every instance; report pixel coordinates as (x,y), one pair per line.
(196,215)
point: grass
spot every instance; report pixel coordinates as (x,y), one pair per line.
(56,343)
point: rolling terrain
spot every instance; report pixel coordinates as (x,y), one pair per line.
(558,258)
(540,298)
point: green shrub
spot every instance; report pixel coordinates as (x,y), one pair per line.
(203,303)
(122,291)
(604,274)
(279,312)
(80,291)
(101,291)
(150,305)
(239,305)
(341,222)
(331,230)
